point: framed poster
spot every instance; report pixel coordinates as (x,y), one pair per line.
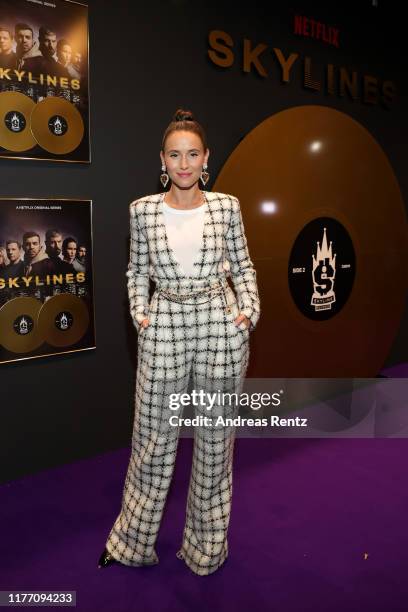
(46,287)
(44,93)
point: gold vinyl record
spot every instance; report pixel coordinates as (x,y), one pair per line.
(327,233)
(15,112)
(19,332)
(63,320)
(57,125)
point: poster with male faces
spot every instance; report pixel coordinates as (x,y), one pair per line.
(44,96)
(46,287)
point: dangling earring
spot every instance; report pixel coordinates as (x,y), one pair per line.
(164,177)
(204,175)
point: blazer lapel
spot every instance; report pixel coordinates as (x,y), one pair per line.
(206,252)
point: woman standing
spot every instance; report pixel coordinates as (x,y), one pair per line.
(193,326)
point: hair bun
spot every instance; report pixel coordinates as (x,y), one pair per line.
(183,115)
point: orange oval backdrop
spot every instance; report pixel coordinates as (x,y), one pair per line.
(304,164)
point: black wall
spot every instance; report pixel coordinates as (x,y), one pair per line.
(146,60)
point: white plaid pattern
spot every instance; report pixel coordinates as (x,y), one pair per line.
(198,339)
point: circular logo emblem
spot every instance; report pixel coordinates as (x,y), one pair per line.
(57,125)
(322,268)
(15,121)
(23,325)
(64,320)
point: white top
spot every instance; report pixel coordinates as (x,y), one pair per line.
(184,230)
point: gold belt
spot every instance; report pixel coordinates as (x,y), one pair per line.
(180,298)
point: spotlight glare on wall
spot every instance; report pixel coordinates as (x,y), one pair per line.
(315,146)
(268,207)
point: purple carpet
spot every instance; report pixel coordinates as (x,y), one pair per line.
(317,525)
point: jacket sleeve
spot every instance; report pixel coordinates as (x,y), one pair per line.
(243,273)
(138,271)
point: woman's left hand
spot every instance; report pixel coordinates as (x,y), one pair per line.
(241,318)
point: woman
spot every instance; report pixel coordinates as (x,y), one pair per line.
(194,326)
(69,252)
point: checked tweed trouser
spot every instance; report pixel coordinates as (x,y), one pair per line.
(192,339)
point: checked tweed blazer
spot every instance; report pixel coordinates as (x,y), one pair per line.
(223,240)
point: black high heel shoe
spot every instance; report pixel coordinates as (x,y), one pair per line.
(106,559)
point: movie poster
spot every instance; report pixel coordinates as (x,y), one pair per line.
(44,97)
(46,288)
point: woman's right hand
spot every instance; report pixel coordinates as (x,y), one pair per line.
(144,323)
